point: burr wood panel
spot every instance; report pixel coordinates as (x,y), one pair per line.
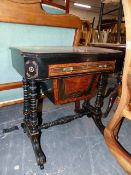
(70,89)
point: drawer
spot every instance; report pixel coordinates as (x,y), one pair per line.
(78,68)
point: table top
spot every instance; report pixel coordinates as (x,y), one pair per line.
(116,46)
(43,59)
(64,50)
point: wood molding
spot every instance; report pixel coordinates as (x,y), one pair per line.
(8,86)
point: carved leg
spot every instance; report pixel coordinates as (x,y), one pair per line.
(31,124)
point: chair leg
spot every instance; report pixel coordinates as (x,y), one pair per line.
(110,132)
(111,135)
(112,129)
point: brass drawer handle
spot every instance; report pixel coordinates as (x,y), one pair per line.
(103,66)
(67,69)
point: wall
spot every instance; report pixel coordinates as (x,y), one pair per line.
(19,35)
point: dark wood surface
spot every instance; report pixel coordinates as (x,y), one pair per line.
(69,49)
(36,63)
(121,47)
(63,64)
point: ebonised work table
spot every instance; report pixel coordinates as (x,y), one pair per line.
(37,64)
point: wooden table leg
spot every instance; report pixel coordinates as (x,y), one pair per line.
(31,120)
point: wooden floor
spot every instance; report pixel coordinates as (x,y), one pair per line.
(76,148)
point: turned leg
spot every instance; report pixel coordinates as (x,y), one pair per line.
(113,95)
(77,106)
(26,108)
(99,103)
(100,94)
(112,99)
(95,111)
(33,107)
(33,131)
(26,99)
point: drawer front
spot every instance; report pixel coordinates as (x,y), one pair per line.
(78,68)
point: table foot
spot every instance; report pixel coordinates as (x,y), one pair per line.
(40,156)
(35,140)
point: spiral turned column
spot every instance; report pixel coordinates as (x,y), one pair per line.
(26,109)
(99,103)
(100,94)
(33,107)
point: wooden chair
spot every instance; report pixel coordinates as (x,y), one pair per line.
(123,110)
